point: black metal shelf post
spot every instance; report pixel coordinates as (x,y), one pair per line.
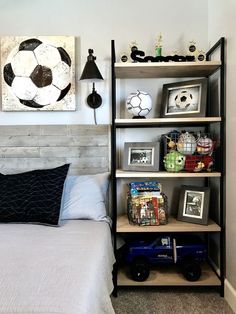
(220,44)
(113,162)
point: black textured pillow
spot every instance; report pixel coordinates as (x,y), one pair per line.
(32,197)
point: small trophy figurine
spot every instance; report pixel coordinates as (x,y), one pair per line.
(199,55)
(158,47)
(124,57)
(192,47)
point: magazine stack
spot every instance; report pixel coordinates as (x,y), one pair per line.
(146,204)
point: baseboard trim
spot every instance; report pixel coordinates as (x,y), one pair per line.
(216,268)
(230,295)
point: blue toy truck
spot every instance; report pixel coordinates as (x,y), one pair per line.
(188,252)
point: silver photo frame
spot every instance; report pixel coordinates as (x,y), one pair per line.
(141,156)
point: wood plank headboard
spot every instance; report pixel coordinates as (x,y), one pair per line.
(28,147)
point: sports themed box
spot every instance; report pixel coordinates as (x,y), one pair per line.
(146,204)
(188,151)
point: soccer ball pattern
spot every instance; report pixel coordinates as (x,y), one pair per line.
(139,103)
(38,74)
(183,99)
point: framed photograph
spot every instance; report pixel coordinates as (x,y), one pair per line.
(194,204)
(142,156)
(184,99)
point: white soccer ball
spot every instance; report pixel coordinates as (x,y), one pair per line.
(139,103)
(38,74)
(187,144)
(183,99)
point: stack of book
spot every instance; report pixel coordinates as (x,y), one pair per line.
(146,204)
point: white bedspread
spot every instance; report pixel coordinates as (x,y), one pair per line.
(64,270)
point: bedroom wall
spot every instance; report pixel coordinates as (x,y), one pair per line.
(222,23)
(95,23)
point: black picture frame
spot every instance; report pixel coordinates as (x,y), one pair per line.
(184,99)
(141,156)
(194,204)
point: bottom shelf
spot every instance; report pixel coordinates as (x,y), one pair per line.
(169,276)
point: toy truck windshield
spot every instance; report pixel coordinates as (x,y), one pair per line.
(165,241)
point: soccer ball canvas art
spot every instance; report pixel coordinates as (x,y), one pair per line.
(139,104)
(38,73)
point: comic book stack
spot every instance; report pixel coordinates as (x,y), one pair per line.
(146,204)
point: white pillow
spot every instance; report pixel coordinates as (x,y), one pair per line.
(84,197)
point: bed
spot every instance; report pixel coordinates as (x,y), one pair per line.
(64,270)
(57,257)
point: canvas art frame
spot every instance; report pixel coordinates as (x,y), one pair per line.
(184,99)
(194,204)
(38,73)
(141,156)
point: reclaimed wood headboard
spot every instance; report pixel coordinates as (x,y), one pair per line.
(28,147)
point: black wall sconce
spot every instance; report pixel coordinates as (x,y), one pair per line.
(92,73)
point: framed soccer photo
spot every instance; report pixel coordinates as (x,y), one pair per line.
(194,204)
(141,156)
(184,99)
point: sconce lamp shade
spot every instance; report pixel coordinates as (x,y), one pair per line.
(91,71)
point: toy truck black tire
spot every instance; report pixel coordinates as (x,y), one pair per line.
(192,270)
(139,269)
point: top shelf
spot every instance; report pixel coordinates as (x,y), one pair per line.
(166,69)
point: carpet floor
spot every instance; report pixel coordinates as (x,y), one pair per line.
(169,300)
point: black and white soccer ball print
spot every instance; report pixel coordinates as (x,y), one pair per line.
(37,73)
(183,99)
(139,103)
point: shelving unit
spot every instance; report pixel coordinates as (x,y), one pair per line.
(169,276)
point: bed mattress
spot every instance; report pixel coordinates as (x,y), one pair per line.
(65,270)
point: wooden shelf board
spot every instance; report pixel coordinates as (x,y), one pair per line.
(165,275)
(164,121)
(164,174)
(173,225)
(165,69)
